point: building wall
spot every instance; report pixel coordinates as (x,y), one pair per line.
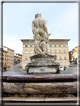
(76,53)
(10,57)
(0,55)
(28,50)
(62,51)
(0,59)
(18,56)
(70,56)
(4,58)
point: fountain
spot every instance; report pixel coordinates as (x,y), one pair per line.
(42,61)
(43,78)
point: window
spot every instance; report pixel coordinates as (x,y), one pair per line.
(30,45)
(59,51)
(50,45)
(60,58)
(55,51)
(65,58)
(26,51)
(26,45)
(50,51)
(26,58)
(64,51)
(64,45)
(54,45)
(59,45)
(30,51)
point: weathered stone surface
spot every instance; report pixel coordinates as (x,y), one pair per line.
(41,56)
(74,66)
(41,78)
(40,88)
(43,60)
(43,63)
(42,70)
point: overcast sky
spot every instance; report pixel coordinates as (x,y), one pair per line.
(62,22)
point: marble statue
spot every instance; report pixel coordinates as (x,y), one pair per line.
(40,35)
(42,61)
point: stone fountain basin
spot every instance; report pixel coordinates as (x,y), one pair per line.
(23,76)
(23,83)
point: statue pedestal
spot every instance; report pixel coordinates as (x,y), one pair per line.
(43,63)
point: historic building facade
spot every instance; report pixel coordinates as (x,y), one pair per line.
(8,57)
(18,56)
(1,58)
(4,58)
(70,56)
(57,47)
(75,53)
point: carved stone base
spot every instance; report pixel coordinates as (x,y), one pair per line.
(43,63)
(42,70)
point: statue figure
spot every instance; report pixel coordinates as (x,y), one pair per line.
(74,61)
(41,41)
(47,43)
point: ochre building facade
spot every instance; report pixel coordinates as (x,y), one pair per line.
(57,47)
(1,59)
(75,53)
(18,56)
(4,58)
(8,57)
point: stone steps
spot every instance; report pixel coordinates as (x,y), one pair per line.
(40,88)
(21,99)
